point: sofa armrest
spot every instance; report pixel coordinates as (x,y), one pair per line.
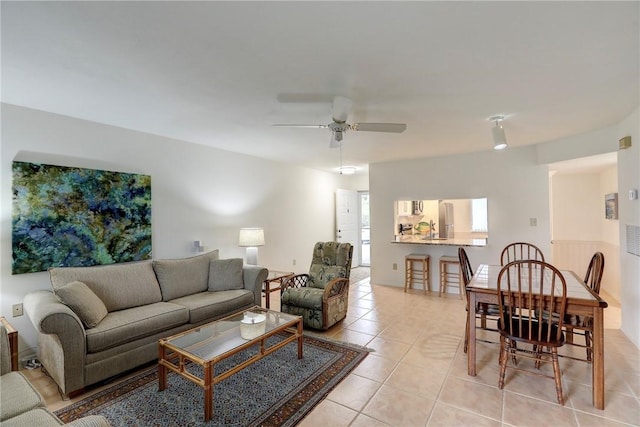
(61,339)
(253,277)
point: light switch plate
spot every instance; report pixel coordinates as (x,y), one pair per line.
(17,310)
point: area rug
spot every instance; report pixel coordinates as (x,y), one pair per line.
(278,390)
(359,273)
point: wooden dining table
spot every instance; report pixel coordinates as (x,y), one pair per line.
(581,300)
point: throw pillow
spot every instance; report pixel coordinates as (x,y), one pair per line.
(225,274)
(79,298)
(182,277)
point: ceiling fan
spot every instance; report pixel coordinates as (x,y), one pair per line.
(339,125)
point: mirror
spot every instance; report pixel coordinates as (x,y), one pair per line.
(442,219)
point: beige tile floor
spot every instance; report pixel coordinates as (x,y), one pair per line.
(416,375)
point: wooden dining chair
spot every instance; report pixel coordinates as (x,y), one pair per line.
(484,311)
(520,251)
(583,325)
(532,299)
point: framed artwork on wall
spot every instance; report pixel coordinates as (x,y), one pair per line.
(611,206)
(70,217)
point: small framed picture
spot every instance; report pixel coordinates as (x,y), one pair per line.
(611,206)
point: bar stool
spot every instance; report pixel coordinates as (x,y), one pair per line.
(412,274)
(449,278)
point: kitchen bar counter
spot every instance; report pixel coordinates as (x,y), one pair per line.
(424,240)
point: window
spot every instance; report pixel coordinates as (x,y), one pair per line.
(479,215)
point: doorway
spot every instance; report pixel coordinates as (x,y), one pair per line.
(579,227)
(365,229)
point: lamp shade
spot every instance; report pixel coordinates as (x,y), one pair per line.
(251,237)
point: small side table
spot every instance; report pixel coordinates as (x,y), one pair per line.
(13,343)
(274,277)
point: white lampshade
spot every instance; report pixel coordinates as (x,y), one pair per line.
(251,237)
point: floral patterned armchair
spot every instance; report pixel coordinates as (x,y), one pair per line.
(321,297)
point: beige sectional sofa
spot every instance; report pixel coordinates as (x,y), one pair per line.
(104,320)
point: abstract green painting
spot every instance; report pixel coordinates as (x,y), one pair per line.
(67,216)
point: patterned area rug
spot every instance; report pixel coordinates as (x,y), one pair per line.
(359,273)
(278,390)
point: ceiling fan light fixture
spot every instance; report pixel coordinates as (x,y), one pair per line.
(347,170)
(339,125)
(499,137)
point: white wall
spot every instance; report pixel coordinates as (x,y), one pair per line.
(515,185)
(580,228)
(198,193)
(629,213)
(577,207)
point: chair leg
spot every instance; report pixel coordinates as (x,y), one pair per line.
(514,346)
(538,351)
(504,356)
(589,344)
(466,333)
(557,375)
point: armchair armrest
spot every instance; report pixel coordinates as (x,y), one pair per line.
(297,281)
(336,287)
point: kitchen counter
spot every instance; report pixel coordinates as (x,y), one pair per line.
(424,240)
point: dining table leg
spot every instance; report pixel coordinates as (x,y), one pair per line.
(471,345)
(598,358)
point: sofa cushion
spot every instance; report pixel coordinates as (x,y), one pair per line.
(39,417)
(119,286)
(180,277)
(89,308)
(210,305)
(17,395)
(225,274)
(303,297)
(128,325)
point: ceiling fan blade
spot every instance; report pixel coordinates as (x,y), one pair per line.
(379,127)
(301,126)
(341,109)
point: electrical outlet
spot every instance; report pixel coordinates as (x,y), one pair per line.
(395,266)
(17,310)
(294,262)
(533,222)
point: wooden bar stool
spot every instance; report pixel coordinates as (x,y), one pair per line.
(449,278)
(412,274)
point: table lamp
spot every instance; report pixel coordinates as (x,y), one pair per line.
(251,238)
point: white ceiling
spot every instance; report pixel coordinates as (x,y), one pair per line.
(221,73)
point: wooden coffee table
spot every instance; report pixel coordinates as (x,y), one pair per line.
(209,344)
